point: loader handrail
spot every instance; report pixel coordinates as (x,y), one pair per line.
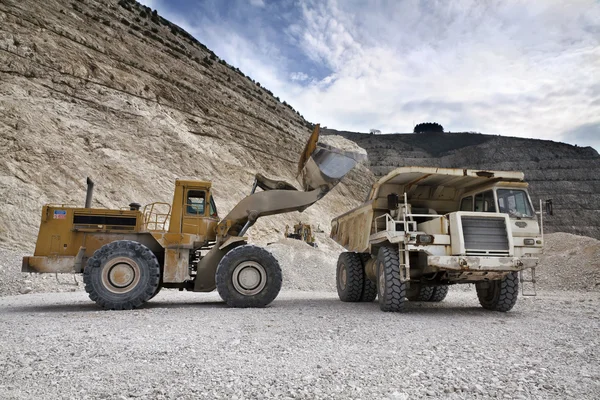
(154,220)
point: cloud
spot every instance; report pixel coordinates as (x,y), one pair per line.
(514,68)
(298,76)
(257,3)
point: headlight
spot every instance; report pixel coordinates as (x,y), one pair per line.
(424,239)
(529,242)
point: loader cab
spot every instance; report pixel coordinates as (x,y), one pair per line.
(193,209)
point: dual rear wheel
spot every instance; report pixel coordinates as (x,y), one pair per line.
(352,283)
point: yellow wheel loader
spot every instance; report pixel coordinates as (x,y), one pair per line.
(301,232)
(127,256)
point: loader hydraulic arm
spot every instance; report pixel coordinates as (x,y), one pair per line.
(262,204)
(321,167)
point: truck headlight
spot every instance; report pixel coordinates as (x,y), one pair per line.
(424,239)
(529,242)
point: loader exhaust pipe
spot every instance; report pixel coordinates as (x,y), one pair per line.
(89,193)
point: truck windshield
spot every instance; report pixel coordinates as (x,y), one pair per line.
(514,202)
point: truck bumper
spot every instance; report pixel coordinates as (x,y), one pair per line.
(62,264)
(475,263)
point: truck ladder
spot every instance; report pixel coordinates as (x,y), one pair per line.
(531,279)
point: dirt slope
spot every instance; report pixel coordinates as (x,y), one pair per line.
(94,88)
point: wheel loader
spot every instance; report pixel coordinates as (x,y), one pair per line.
(301,232)
(424,229)
(127,256)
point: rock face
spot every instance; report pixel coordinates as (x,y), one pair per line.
(569,175)
(111,90)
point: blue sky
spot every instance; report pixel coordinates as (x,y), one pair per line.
(516,68)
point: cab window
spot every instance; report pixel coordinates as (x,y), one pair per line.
(195,201)
(466,204)
(514,202)
(484,202)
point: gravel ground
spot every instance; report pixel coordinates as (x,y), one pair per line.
(305,345)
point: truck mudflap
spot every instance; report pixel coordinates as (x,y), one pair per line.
(477,263)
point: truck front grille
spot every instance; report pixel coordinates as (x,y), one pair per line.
(485,236)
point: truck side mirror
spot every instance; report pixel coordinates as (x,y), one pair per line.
(549,210)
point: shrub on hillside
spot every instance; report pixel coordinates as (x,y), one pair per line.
(428,127)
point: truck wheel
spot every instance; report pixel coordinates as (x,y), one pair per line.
(391,290)
(122,275)
(439,293)
(420,292)
(349,277)
(248,276)
(369,292)
(499,295)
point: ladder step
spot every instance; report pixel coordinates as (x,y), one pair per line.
(522,279)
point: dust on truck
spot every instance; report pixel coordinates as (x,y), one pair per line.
(127,256)
(423,229)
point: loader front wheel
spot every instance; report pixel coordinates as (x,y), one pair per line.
(349,277)
(392,291)
(499,295)
(122,275)
(248,276)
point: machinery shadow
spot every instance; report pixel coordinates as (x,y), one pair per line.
(286,303)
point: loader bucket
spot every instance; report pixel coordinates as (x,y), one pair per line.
(323,166)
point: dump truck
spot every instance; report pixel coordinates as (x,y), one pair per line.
(127,256)
(301,232)
(424,229)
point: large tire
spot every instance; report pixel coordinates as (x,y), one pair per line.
(369,292)
(499,295)
(122,275)
(418,292)
(439,293)
(391,291)
(349,277)
(156,292)
(248,276)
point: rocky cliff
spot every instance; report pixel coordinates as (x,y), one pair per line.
(111,90)
(569,175)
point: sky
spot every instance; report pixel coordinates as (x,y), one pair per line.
(515,68)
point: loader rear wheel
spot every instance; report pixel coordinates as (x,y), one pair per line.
(156,292)
(439,293)
(369,292)
(499,295)
(122,275)
(349,277)
(391,290)
(248,276)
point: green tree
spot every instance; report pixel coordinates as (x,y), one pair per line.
(428,127)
